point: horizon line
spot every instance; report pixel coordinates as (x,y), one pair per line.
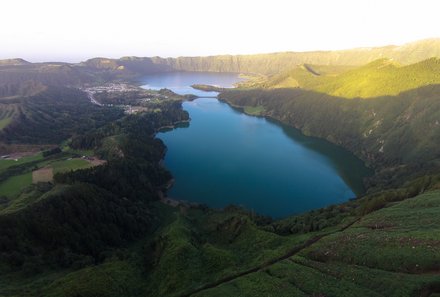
(218,55)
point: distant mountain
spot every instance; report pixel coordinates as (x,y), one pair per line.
(15,62)
(21,78)
(267,64)
(127,65)
(274,62)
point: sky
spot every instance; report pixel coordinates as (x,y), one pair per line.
(73,31)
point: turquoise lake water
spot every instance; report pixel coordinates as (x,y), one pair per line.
(226,157)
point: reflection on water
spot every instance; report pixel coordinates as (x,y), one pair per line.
(226,157)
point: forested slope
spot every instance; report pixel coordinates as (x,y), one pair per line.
(52,116)
(383,130)
(85,216)
(398,135)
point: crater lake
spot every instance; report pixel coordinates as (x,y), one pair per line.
(227,157)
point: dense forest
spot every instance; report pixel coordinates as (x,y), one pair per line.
(81,218)
(54,115)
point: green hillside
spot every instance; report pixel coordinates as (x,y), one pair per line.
(382,77)
(201,252)
(391,133)
(378,78)
(387,253)
(7,114)
(51,117)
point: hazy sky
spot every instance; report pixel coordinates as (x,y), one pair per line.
(42,30)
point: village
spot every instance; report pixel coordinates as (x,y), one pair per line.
(134,98)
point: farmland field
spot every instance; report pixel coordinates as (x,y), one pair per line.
(44,174)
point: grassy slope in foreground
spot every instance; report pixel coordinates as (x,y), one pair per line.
(379,78)
(391,252)
(379,255)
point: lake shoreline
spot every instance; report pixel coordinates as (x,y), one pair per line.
(280,122)
(182,181)
(214,169)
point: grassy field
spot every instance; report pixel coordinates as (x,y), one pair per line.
(4,122)
(67,165)
(68,149)
(251,110)
(13,185)
(48,166)
(5,164)
(44,174)
(7,113)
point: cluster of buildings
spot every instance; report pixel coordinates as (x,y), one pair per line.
(111,88)
(122,88)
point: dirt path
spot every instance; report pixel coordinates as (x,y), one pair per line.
(92,99)
(289,254)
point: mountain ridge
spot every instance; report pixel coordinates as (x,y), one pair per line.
(265,63)
(270,63)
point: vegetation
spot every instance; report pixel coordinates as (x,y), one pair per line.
(395,135)
(4,122)
(13,185)
(207,88)
(55,115)
(34,218)
(17,174)
(7,113)
(68,165)
(378,78)
(196,247)
(257,110)
(106,231)
(269,64)
(6,163)
(28,79)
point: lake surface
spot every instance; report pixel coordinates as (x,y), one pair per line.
(226,157)
(180,82)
